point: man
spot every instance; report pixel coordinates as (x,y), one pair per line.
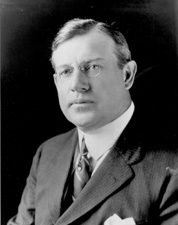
(108,170)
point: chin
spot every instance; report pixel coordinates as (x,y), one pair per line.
(83,121)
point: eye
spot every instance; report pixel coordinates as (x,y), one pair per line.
(92,70)
(65,72)
(93,67)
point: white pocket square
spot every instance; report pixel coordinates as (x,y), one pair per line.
(116,220)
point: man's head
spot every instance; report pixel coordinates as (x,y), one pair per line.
(93,73)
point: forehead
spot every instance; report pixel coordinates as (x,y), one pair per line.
(94,44)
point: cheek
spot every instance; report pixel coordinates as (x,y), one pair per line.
(108,86)
(111,92)
(62,99)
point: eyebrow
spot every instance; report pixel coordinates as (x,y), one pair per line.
(95,59)
(87,61)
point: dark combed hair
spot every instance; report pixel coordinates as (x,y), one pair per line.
(79,27)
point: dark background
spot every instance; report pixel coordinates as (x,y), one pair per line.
(30,110)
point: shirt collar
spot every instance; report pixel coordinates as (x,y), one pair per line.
(102,139)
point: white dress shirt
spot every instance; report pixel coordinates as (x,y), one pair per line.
(100,141)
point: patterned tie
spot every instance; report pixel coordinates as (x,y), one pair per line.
(83,170)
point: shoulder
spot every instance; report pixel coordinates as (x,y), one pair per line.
(53,147)
(162,158)
(60,140)
(157,171)
(158,167)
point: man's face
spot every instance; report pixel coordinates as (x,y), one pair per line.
(90,102)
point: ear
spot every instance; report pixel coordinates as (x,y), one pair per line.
(129,71)
(55,79)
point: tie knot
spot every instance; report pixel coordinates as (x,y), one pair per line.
(84,150)
(83,170)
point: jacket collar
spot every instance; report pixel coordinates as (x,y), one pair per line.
(60,172)
(116,170)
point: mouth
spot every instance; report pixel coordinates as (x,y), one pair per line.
(81,102)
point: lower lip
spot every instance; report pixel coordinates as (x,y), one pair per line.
(82,104)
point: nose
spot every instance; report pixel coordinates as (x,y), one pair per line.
(79,82)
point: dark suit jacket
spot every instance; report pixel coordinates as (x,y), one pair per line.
(138,179)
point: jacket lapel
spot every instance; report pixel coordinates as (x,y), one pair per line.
(111,175)
(59,175)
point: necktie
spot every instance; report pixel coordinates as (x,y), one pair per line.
(82,170)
